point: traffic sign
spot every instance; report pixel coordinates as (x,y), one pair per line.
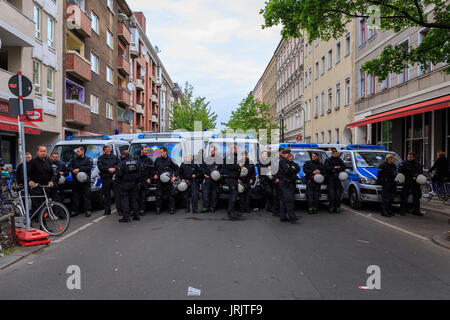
(299,138)
(13,85)
(34,116)
(14,106)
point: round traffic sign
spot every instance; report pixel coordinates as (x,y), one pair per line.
(13,85)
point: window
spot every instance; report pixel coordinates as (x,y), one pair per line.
(110,5)
(306,79)
(330,59)
(109,75)
(94,63)
(37,22)
(323,65)
(109,111)
(50,82)
(317,70)
(317,137)
(316,101)
(347,44)
(347,91)
(404,76)
(336,133)
(37,77)
(386,84)
(94,22)
(94,104)
(330,99)
(362,84)
(109,39)
(50,32)
(322,103)
(338,95)
(362,32)
(309,110)
(338,51)
(306,50)
(329,136)
(322,137)
(372,84)
(310,75)
(421,68)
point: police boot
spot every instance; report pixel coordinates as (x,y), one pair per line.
(330,209)
(205,210)
(73,214)
(136,218)
(124,220)
(384,213)
(88,214)
(172,212)
(158,212)
(310,211)
(337,210)
(142,213)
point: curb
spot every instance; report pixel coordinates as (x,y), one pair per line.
(18,255)
(442,240)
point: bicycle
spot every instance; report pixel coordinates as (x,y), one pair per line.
(53,216)
(432,189)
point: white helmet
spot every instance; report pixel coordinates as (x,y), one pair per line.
(182,186)
(343,176)
(62,180)
(421,179)
(215,175)
(244,172)
(165,177)
(240,188)
(318,178)
(82,177)
(400,178)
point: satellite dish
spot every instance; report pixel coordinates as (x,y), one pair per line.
(128,115)
(131,86)
(123,17)
(143,72)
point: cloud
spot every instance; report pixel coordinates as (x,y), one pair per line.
(216,45)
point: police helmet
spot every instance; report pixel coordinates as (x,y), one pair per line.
(82,177)
(244,172)
(215,175)
(182,186)
(400,178)
(343,176)
(165,177)
(240,188)
(62,180)
(318,178)
(421,179)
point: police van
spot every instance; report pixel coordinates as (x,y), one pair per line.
(302,153)
(94,149)
(174,142)
(362,162)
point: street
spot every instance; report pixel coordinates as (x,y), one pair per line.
(322,257)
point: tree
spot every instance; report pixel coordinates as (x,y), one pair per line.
(252,115)
(326,19)
(190,110)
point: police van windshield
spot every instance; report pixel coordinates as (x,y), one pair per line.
(373,159)
(174,149)
(68,152)
(223,150)
(302,156)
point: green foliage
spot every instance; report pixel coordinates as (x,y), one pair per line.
(327,19)
(191,110)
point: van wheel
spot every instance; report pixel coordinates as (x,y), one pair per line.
(354,201)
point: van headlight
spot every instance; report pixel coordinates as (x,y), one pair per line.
(365,180)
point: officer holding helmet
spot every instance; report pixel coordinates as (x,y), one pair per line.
(334,166)
(232,171)
(247,181)
(127,175)
(81,167)
(313,168)
(189,173)
(287,174)
(387,172)
(107,165)
(59,171)
(147,172)
(165,168)
(211,187)
(411,168)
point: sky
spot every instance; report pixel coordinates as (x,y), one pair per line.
(218,46)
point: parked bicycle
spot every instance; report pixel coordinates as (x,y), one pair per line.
(434,189)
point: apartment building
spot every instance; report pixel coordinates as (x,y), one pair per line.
(269,83)
(328,97)
(167,98)
(408,111)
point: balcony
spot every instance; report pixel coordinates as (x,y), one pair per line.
(77,113)
(78,21)
(123,33)
(154,98)
(123,97)
(158,81)
(78,66)
(140,84)
(123,65)
(123,127)
(155,118)
(140,108)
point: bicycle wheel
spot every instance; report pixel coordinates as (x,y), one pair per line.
(54,219)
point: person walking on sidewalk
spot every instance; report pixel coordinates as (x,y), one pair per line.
(441,167)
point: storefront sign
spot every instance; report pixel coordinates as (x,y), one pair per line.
(35,116)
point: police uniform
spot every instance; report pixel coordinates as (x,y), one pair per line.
(411,169)
(58,190)
(163,165)
(105,163)
(210,188)
(81,191)
(287,174)
(187,171)
(147,172)
(276,188)
(386,177)
(267,185)
(312,188)
(334,184)
(244,198)
(128,174)
(232,172)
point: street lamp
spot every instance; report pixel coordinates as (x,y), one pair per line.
(282,125)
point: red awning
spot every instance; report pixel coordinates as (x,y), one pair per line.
(8,123)
(418,108)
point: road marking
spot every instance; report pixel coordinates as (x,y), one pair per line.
(389,225)
(79,230)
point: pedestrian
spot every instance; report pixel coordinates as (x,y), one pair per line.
(287,174)
(189,172)
(411,168)
(147,172)
(266,182)
(81,191)
(127,175)
(211,188)
(232,171)
(107,165)
(441,166)
(59,170)
(19,171)
(165,165)
(387,172)
(247,182)
(333,167)
(312,168)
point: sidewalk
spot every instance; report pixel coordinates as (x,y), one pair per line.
(436,206)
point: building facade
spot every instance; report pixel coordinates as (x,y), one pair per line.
(407,112)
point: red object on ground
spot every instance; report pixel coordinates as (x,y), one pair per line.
(32,235)
(33,243)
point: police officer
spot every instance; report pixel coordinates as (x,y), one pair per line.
(211,188)
(189,173)
(266,181)
(411,168)
(165,164)
(81,190)
(19,171)
(147,172)
(387,172)
(127,175)
(247,181)
(232,172)
(107,165)
(59,170)
(333,167)
(276,184)
(287,174)
(312,168)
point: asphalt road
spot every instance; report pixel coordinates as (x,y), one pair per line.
(322,257)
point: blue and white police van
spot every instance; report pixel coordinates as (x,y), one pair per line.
(362,162)
(302,153)
(94,149)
